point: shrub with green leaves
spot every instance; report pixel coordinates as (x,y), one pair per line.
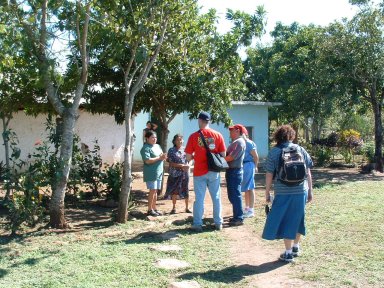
(25,206)
(112,178)
(349,142)
(3,171)
(89,169)
(368,150)
(323,155)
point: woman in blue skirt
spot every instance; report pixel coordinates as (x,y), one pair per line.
(286,218)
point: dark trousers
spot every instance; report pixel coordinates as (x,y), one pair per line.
(234,177)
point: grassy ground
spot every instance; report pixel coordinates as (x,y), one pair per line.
(345,244)
(344,248)
(118,256)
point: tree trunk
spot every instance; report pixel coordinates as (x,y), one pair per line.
(316,129)
(164,147)
(164,137)
(6,150)
(295,127)
(57,219)
(306,130)
(122,211)
(131,91)
(377,108)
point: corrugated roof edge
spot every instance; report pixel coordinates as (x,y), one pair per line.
(257,103)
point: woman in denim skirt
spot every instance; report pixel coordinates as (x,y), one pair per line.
(286,220)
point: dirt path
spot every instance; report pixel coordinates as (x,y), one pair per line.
(247,249)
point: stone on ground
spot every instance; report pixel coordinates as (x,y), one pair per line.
(167,248)
(170,264)
(170,235)
(184,284)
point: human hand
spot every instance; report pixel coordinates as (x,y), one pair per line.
(309,196)
(268,197)
(163,156)
(185,167)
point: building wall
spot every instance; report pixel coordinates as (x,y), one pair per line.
(247,115)
(176,126)
(111,136)
(29,130)
(89,127)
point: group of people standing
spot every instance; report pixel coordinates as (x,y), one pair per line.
(242,158)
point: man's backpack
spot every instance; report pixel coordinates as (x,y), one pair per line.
(292,170)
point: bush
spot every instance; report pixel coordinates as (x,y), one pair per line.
(330,141)
(349,142)
(112,178)
(25,206)
(323,155)
(368,150)
(89,169)
(3,171)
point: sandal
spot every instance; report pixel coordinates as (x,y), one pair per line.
(188,211)
(152,213)
(158,213)
(173,211)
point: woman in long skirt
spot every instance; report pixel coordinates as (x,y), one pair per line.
(178,179)
(286,220)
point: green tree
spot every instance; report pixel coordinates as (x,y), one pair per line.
(289,71)
(18,89)
(43,23)
(355,52)
(131,36)
(199,70)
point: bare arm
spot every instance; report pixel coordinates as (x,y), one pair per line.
(178,165)
(189,157)
(228,158)
(309,179)
(255,159)
(162,157)
(268,185)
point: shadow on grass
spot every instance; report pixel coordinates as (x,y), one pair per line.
(159,237)
(92,217)
(233,274)
(33,261)
(3,272)
(6,239)
(29,261)
(331,176)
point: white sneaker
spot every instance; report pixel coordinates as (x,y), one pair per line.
(249,214)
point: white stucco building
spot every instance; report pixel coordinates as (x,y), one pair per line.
(111,136)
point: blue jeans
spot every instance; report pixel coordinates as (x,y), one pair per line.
(234,177)
(200,183)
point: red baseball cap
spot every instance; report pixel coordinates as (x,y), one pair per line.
(239,127)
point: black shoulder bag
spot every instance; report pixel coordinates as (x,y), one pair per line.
(216,162)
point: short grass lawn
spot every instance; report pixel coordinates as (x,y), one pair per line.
(343,248)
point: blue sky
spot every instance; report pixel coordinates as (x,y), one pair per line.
(319,12)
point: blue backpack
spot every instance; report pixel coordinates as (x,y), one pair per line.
(292,169)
